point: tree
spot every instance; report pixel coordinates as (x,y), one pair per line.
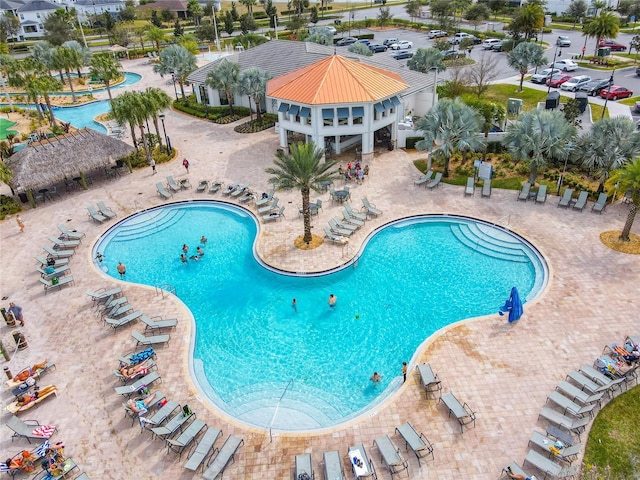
(157,36)
(84,52)
(46,84)
(59,27)
(577,9)
(529,21)
(413,9)
(477,13)
(496,6)
(7,63)
(253,82)
(303,170)
(492,113)
(166,15)
(124,109)
(634,44)
(9,26)
(234,12)
(321,36)
(628,180)
(107,68)
(610,144)
(107,20)
(360,49)
(128,13)
(466,45)
(155,20)
(313,15)
(195,10)
(384,16)
(598,5)
(176,60)
(206,33)
(248,24)
(426,60)
(483,72)
(228,22)
(24,74)
(443,11)
(156,101)
(249,4)
(605,25)
(448,127)
(224,77)
(120,35)
(538,136)
(68,59)
(271,11)
(526,55)
(178,31)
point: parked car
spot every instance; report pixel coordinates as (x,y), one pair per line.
(566,65)
(490,42)
(401,45)
(436,34)
(595,86)
(498,47)
(637,70)
(458,37)
(377,47)
(332,30)
(613,45)
(343,42)
(573,83)
(543,75)
(390,41)
(558,79)
(364,41)
(615,92)
(563,41)
(401,54)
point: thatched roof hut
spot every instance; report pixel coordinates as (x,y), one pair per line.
(49,161)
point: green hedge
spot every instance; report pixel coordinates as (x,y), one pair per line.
(8,206)
(192,107)
(411,142)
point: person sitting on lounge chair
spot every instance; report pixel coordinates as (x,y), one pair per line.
(54,459)
(27,399)
(23,462)
(130,372)
(22,376)
(516,476)
(141,405)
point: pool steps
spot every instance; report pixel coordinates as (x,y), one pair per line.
(148,223)
(490,241)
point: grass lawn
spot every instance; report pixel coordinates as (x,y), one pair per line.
(530,97)
(631,101)
(5,126)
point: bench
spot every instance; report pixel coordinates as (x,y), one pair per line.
(462,412)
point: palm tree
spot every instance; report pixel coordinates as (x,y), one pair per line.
(224,77)
(157,101)
(605,25)
(178,61)
(303,170)
(83,51)
(24,74)
(425,60)
(253,82)
(249,4)
(525,56)
(6,64)
(157,36)
(47,84)
(68,59)
(537,136)
(628,179)
(448,127)
(610,144)
(43,53)
(107,68)
(124,111)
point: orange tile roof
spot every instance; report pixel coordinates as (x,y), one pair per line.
(336,79)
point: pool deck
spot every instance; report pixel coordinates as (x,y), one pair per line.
(503,371)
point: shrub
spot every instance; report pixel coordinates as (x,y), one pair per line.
(8,206)
(192,107)
(496,147)
(411,142)
(267,121)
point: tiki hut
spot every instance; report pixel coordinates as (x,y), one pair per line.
(52,160)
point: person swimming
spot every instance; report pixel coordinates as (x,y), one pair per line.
(183,258)
(200,252)
(332,300)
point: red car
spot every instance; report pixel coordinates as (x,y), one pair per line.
(558,80)
(613,45)
(614,93)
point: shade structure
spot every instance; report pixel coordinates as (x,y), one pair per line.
(513,306)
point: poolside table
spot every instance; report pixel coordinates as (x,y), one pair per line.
(341,195)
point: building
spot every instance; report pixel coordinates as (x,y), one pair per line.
(88,9)
(32,15)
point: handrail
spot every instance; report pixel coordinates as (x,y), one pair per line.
(277,408)
(165,287)
(496,223)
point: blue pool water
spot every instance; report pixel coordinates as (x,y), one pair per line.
(412,278)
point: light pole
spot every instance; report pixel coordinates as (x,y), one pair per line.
(164,130)
(564,169)
(173,77)
(553,65)
(606,99)
(215,25)
(84,39)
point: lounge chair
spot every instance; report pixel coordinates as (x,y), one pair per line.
(524,193)
(82,476)
(273,215)
(141,373)
(136,358)
(263,201)
(600,204)
(575,425)
(95,215)
(61,282)
(462,412)
(272,206)
(239,190)
(176,422)
(486,188)
(225,455)
(602,379)
(558,434)
(418,443)
(549,467)
(565,201)
(102,295)
(574,393)
(360,463)
(369,208)
(513,467)
(29,429)
(69,465)
(430,381)
(424,179)
(333,466)
(116,323)
(184,183)
(58,253)
(44,393)
(347,226)
(156,325)
(390,455)
(304,468)
(202,450)
(247,196)
(352,214)
(20,378)
(335,238)
(58,243)
(569,406)
(339,231)
(230,188)
(582,201)
(314,208)
(351,220)
(59,262)
(435,182)
(541,197)
(160,416)
(106,211)
(70,234)
(171,183)
(186,437)
(215,186)
(163,192)
(566,452)
(141,339)
(202,186)
(57,272)
(147,380)
(470,189)
(586,383)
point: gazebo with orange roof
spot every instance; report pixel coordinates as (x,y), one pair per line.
(339,103)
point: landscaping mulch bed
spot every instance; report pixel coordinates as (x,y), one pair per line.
(253,126)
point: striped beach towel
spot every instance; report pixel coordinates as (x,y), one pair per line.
(44,431)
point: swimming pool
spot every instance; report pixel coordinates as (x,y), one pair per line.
(413,277)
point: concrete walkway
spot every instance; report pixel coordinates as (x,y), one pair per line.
(504,371)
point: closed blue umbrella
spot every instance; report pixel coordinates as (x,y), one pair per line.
(513,305)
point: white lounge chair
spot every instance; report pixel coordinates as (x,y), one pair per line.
(61,282)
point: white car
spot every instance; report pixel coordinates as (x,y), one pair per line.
(490,42)
(543,75)
(402,45)
(436,34)
(331,30)
(576,82)
(566,65)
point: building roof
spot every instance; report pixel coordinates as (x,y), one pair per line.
(279,57)
(10,5)
(98,3)
(336,79)
(38,6)
(173,5)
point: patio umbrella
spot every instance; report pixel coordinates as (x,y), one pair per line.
(513,305)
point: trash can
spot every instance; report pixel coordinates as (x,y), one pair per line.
(582,100)
(9,319)
(553,100)
(8,373)
(23,197)
(21,341)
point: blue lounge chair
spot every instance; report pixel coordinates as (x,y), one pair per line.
(541,197)
(600,204)
(581,202)
(163,192)
(524,193)
(565,201)
(470,189)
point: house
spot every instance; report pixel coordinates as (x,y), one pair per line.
(178,7)
(32,15)
(88,8)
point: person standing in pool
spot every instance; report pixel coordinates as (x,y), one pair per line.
(185,249)
(203,240)
(200,252)
(183,258)
(294,305)
(122,269)
(376,377)
(404,371)
(332,300)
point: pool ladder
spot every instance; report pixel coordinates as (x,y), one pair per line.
(161,288)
